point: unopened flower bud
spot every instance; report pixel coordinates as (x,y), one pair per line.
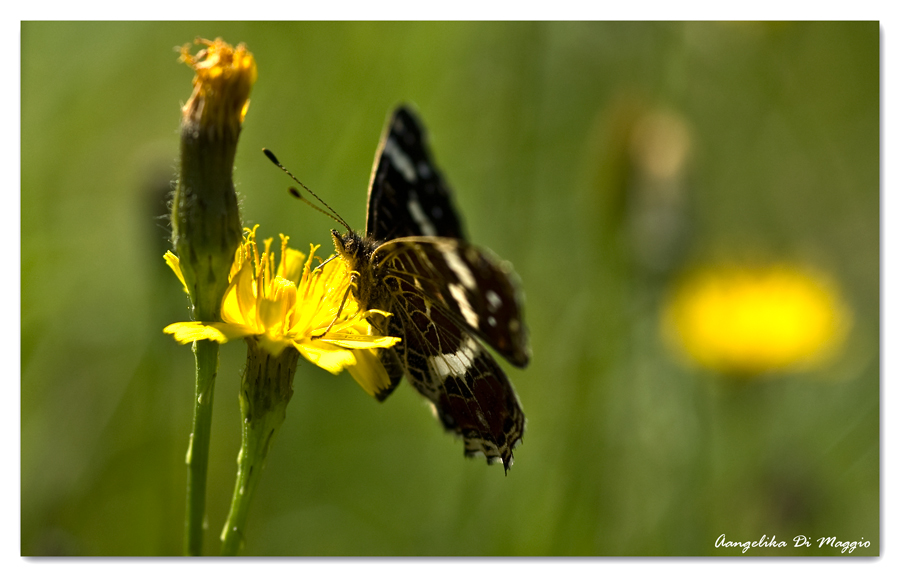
(206,222)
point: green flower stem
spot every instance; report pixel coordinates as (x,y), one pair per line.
(206,354)
(265,391)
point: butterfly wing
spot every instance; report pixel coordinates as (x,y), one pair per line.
(443,294)
(470,283)
(442,357)
(407,194)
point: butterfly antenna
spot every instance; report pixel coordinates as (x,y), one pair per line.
(296,193)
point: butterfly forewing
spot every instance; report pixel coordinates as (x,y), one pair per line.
(407,194)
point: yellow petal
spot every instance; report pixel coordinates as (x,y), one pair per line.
(326,356)
(175,265)
(189,332)
(273,311)
(240,298)
(231,310)
(369,372)
(291,266)
(357,341)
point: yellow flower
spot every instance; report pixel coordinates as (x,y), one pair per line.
(751,320)
(293,304)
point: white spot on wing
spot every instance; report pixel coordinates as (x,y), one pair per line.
(461,269)
(454,364)
(494,301)
(424,169)
(459,295)
(400,160)
(415,210)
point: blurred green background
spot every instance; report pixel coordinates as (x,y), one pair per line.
(628,451)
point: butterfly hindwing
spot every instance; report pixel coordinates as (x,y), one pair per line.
(470,392)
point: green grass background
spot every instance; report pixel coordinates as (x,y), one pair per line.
(627,451)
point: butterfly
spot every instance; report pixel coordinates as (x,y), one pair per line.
(445,296)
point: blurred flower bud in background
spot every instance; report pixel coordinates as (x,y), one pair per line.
(656,222)
(642,180)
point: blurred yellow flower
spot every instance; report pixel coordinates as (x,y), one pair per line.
(750,320)
(293,305)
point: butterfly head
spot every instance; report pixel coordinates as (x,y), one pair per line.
(351,247)
(343,246)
